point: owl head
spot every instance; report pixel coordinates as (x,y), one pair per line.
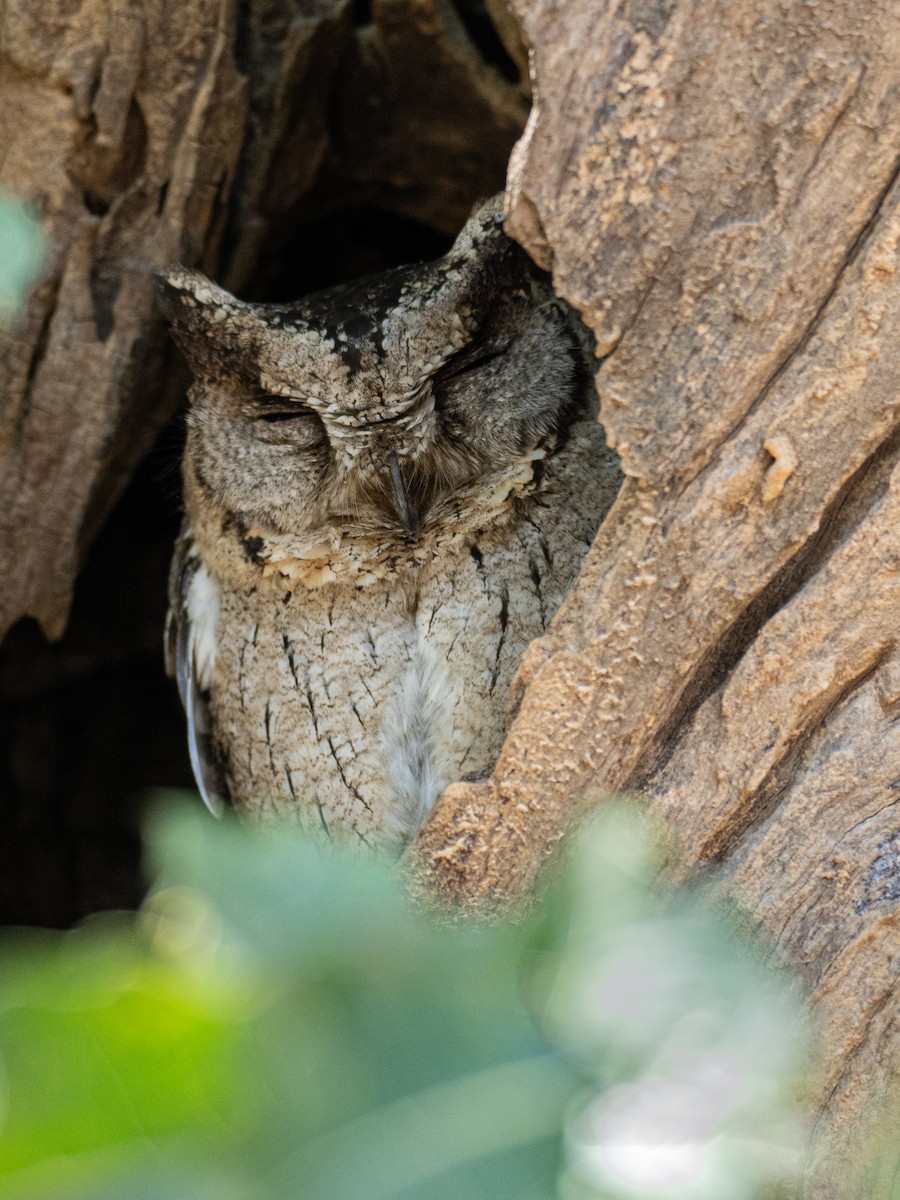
(377,404)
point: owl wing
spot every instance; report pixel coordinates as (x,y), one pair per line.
(181,664)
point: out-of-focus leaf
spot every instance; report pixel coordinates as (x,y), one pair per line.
(695,1044)
(448,1133)
(369,1003)
(278,1023)
(21,255)
(102,1045)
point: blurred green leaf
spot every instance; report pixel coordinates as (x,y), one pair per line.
(278,1023)
(369,1004)
(695,1043)
(21,255)
(102,1045)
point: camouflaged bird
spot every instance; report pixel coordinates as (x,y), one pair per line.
(389,487)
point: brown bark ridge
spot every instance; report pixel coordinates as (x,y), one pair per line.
(716,188)
(121,122)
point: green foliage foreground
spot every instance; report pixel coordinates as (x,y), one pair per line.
(22,255)
(276,1022)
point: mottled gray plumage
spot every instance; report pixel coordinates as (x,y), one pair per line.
(389,487)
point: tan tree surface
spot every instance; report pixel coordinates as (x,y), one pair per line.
(715,187)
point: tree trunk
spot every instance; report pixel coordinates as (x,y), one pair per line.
(122,124)
(715,188)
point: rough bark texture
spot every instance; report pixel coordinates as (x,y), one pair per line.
(122,123)
(716,188)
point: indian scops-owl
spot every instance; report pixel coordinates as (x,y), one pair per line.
(389,487)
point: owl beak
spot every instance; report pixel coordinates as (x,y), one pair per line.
(405,510)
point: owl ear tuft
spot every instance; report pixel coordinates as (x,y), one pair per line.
(207,322)
(188,297)
(182,286)
(491,265)
(483,228)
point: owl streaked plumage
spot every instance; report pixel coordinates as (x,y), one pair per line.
(389,488)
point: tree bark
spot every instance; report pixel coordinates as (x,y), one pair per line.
(716,189)
(122,123)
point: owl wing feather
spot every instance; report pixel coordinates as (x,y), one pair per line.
(181,663)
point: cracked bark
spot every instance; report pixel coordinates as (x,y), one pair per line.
(122,125)
(716,189)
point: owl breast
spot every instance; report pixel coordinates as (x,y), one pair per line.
(348,695)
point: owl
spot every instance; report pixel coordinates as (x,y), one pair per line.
(389,487)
